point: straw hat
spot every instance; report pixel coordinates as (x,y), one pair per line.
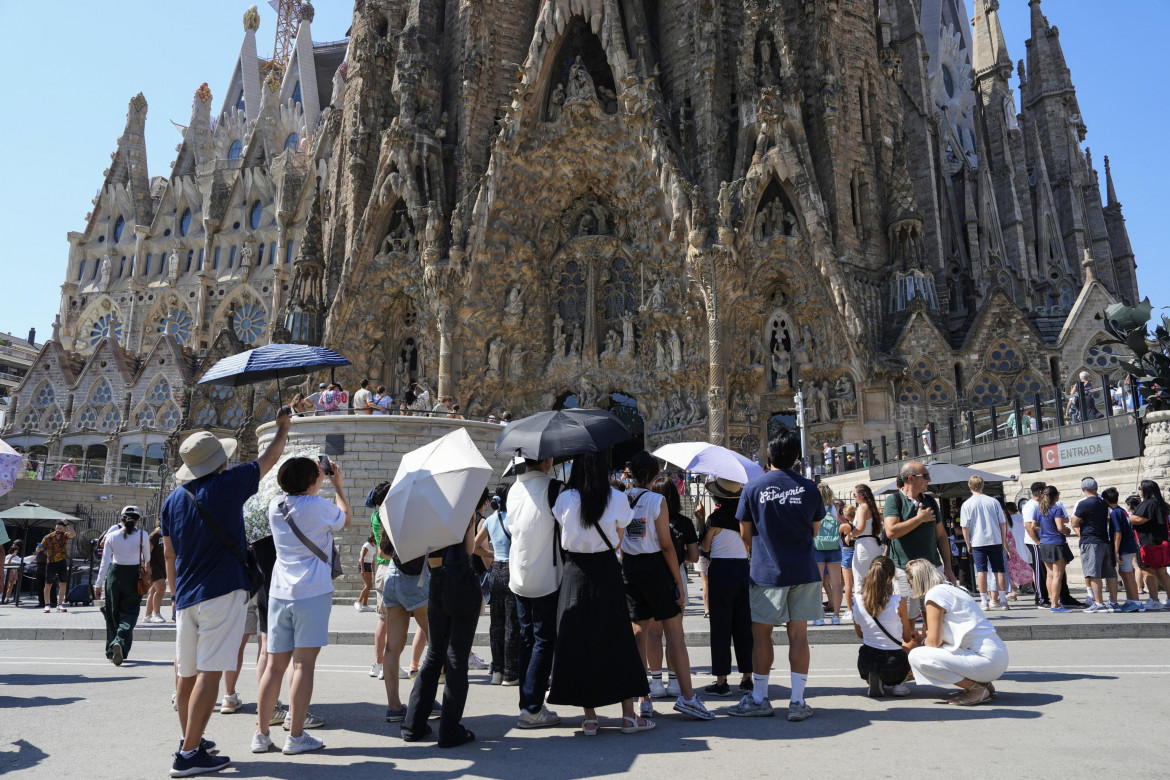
(724,488)
(203,453)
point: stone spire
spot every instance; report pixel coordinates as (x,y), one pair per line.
(1110,191)
(305,321)
(1048,72)
(128,167)
(990,52)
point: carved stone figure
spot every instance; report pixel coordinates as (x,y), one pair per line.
(246,256)
(107,271)
(812,401)
(173,266)
(676,356)
(627,333)
(587,224)
(656,301)
(846,397)
(781,367)
(556,102)
(558,337)
(613,343)
(516,362)
(515,304)
(660,352)
(495,352)
(580,82)
(765,75)
(399,375)
(575,347)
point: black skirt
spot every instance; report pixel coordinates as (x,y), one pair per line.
(595,660)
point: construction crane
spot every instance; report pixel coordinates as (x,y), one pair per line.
(287,19)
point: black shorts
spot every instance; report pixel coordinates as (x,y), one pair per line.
(57,571)
(650,588)
(367,568)
(1051,553)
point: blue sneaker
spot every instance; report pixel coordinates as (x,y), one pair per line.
(204,744)
(395,716)
(1131,606)
(1059,609)
(198,764)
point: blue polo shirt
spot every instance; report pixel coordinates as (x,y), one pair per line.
(1119,524)
(783,509)
(204,569)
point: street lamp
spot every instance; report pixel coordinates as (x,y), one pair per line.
(799,399)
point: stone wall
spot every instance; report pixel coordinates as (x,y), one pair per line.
(1156,463)
(373,447)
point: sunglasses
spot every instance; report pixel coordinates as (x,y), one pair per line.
(924,475)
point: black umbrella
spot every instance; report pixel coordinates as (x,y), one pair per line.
(563,432)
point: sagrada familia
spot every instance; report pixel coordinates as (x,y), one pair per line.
(682,209)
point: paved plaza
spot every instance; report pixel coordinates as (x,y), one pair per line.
(1065,709)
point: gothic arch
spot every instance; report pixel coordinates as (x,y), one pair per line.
(172,316)
(44,396)
(1005,357)
(251,318)
(1102,357)
(774,214)
(158,391)
(101,319)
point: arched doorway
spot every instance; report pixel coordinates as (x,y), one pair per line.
(625,408)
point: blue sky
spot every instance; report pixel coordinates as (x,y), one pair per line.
(74,67)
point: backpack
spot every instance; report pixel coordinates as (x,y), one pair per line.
(828,537)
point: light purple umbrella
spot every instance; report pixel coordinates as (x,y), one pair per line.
(9,464)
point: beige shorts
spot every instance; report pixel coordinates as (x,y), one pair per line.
(208,634)
(252,618)
(786,604)
(379,583)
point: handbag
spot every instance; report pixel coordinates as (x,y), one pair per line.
(334,564)
(251,566)
(145,579)
(1156,556)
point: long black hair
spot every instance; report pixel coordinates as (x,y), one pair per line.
(665,487)
(1151,492)
(590,478)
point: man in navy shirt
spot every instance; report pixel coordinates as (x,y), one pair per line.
(779,515)
(209,583)
(1091,522)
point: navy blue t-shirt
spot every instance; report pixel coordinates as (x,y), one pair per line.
(784,509)
(1119,524)
(204,569)
(1094,515)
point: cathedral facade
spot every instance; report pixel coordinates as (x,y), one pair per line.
(685,211)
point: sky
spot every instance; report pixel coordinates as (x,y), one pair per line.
(70,82)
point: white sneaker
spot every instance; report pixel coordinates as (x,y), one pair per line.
(403,673)
(381,673)
(542,718)
(477,663)
(901,689)
(672,688)
(231,703)
(819,622)
(357,605)
(657,689)
(834,620)
(375,669)
(261,743)
(302,744)
(311,722)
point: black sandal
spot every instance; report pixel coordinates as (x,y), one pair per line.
(410,736)
(468,736)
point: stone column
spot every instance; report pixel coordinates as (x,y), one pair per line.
(1156,460)
(441,282)
(703,266)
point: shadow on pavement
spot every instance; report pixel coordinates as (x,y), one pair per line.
(58,679)
(1025,676)
(35,701)
(25,756)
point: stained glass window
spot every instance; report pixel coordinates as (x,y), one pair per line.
(249,322)
(621,289)
(937,393)
(922,371)
(111,418)
(178,323)
(236,149)
(233,417)
(571,297)
(257,212)
(119,226)
(102,394)
(1101,356)
(292,140)
(160,393)
(53,419)
(145,418)
(44,396)
(910,394)
(185,222)
(987,390)
(1005,358)
(87,418)
(31,418)
(170,417)
(1026,386)
(104,327)
(205,416)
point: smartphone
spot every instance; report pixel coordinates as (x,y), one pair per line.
(326,465)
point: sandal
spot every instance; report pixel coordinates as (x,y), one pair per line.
(977,694)
(468,736)
(589,728)
(634,725)
(958,693)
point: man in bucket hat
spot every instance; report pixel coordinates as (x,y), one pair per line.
(207,578)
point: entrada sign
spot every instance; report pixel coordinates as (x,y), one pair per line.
(1075,453)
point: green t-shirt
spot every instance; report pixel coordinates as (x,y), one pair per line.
(922,542)
(376,530)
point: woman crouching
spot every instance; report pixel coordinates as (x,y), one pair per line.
(881,621)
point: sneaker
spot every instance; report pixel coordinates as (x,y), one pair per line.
(657,689)
(1114,606)
(847,616)
(158,619)
(412,673)
(511,683)
(901,689)
(646,709)
(1044,605)
(261,743)
(311,722)
(1059,609)
(819,622)
(748,707)
(204,744)
(231,703)
(798,711)
(543,718)
(1097,607)
(746,686)
(403,673)
(197,764)
(694,708)
(1074,604)
(477,663)
(116,654)
(497,678)
(62,608)
(672,688)
(302,744)
(381,674)
(834,621)
(48,610)
(375,669)
(357,605)
(718,689)
(279,715)
(1131,606)
(395,716)
(875,685)
(1153,605)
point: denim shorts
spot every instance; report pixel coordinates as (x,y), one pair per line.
(298,622)
(847,557)
(828,556)
(404,590)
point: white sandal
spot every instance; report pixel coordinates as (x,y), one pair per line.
(589,727)
(634,725)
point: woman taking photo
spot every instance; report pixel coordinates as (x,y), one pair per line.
(881,621)
(595,659)
(454,601)
(960,646)
(864,533)
(158,579)
(300,596)
(1053,527)
(126,548)
(730,586)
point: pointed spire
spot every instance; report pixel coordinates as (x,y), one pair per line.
(1110,192)
(129,165)
(1047,69)
(990,53)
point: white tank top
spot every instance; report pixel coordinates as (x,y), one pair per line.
(727,544)
(641,534)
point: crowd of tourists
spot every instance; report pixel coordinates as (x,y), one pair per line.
(332,398)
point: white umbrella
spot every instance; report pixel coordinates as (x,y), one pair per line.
(434,494)
(9,464)
(706,458)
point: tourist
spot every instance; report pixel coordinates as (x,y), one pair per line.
(704,562)
(1051,532)
(366,571)
(403,593)
(1125,549)
(382,402)
(959,646)
(1019,573)
(383,561)
(597,661)
(728,579)
(11,575)
(686,550)
(1090,412)
(443,407)
(779,515)
(1031,515)
(158,579)
(204,544)
(363,399)
(1149,522)
(456,413)
(827,550)
(505,418)
(654,581)
(985,532)
(504,629)
(534,575)
(848,516)
(332,400)
(318,398)
(1090,519)
(913,524)
(56,549)
(127,548)
(865,533)
(67,472)
(301,596)
(453,605)
(301,405)
(882,623)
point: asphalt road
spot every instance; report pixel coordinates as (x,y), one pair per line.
(1067,709)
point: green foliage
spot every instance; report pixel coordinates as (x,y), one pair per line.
(1129,327)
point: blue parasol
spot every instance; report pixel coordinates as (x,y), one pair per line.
(272,361)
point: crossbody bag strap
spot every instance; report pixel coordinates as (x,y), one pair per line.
(604,538)
(304,539)
(231,548)
(878,623)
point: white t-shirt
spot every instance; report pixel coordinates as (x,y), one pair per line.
(533,566)
(360,399)
(575,537)
(367,554)
(982,515)
(870,633)
(727,544)
(1031,515)
(128,551)
(964,623)
(642,535)
(299,574)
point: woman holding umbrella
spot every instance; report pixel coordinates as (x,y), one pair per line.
(595,659)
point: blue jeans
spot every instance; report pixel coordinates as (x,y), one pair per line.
(538,634)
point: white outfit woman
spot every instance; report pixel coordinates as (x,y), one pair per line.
(971,649)
(865,549)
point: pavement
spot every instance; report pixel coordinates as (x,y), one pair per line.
(1064,710)
(349,627)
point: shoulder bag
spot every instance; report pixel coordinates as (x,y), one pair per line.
(1156,556)
(334,563)
(144,574)
(251,566)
